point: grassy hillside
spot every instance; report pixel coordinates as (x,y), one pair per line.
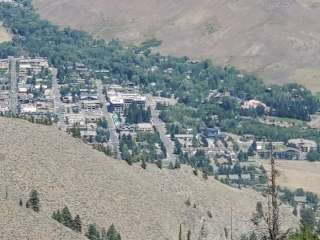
(277,40)
(292,175)
(20,223)
(4,35)
(143,204)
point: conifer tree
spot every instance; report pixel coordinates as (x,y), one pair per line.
(34,201)
(57,216)
(112,233)
(103,234)
(144,164)
(93,233)
(67,218)
(77,225)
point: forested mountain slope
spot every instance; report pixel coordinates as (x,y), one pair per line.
(279,40)
(143,204)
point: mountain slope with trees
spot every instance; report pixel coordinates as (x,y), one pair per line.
(141,203)
(279,40)
(18,222)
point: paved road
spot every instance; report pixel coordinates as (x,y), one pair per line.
(114,137)
(161,128)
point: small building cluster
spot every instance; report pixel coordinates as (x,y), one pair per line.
(26,87)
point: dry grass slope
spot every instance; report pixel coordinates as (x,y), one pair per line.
(20,223)
(143,204)
(4,35)
(279,40)
(299,174)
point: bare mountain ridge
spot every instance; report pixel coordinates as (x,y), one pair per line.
(143,204)
(278,40)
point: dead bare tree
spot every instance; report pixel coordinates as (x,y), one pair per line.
(271,219)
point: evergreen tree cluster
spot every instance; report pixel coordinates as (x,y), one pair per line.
(94,234)
(146,147)
(137,114)
(64,217)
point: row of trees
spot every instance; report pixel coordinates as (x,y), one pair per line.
(137,114)
(64,217)
(94,234)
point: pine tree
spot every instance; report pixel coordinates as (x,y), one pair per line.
(77,225)
(57,216)
(34,201)
(112,233)
(103,234)
(144,164)
(67,218)
(93,233)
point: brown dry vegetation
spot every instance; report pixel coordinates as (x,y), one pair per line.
(20,223)
(4,35)
(298,174)
(143,204)
(279,40)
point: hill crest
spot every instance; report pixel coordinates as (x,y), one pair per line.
(277,40)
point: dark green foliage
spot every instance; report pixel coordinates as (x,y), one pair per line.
(307,218)
(252,149)
(103,135)
(146,146)
(34,201)
(313,156)
(137,114)
(242,156)
(93,233)
(112,234)
(67,219)
(177,147)
(102,123)
(143,164)
(75,131)
(20,203)
(304,234)
(64,217)
(77,225)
